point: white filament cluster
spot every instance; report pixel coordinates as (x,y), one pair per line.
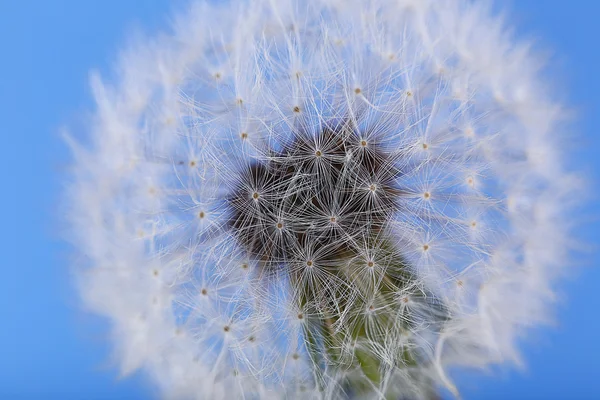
(454,101)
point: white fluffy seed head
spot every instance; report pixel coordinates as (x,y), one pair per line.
(437,253)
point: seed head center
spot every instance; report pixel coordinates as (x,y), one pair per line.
(289,186)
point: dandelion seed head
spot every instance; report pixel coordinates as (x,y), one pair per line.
(322,199)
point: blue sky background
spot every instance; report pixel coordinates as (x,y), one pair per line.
(49,349)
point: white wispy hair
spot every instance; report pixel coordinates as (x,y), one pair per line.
(470,132)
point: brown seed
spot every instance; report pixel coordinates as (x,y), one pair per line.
(296,109)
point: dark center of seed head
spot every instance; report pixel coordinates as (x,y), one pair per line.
(320,201)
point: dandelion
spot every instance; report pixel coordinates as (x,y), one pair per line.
(323,199)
